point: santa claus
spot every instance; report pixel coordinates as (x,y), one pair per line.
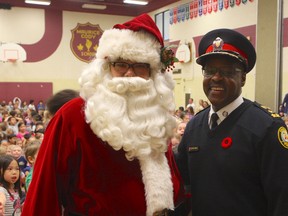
(105,153)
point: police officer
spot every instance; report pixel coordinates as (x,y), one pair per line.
(235,162)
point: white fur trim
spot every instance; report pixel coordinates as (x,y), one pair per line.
(129,45)
(158,183)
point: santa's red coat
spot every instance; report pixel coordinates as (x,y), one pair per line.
(78,171)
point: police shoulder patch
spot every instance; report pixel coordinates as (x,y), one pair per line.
(283,137)
(267,110)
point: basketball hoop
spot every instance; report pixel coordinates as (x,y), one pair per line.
(12,60)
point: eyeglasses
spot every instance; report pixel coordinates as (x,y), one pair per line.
(140,69)
(225,71)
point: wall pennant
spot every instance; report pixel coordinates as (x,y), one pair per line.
(191,6)
(179,14)
(183,13)
(232,3)
(204,7)
(215,5)
(209,6)
(238,2)
(195,8)
(175,12)
(187,11)
(244,1)
(171,16)
(226,4)
(220,4)
(200,7)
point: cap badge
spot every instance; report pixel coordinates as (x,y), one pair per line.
(283,137)
(218,44)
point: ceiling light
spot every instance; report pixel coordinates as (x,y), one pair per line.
(94,6)
(135,2)
(38,2)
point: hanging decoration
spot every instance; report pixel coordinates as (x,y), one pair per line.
(191,7)
(197,8)
(220,4)
(204,7)
(209,6)
(215,6)
(226,4)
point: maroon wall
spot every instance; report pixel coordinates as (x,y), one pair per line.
(26,91)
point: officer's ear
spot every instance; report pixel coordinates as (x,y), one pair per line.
(243,78)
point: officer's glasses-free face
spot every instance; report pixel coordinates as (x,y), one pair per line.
(139,69)
(225,71)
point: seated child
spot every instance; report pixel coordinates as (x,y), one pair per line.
(31,151)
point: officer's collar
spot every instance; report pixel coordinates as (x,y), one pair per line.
(225,111)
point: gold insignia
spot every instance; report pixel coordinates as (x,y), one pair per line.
(283,137)
(273,114)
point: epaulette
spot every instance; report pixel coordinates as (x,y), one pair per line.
(267,110)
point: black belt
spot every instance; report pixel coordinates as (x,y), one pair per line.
(164,212)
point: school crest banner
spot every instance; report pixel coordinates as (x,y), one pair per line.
(85,41)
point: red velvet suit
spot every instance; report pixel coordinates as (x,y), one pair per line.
(74,168)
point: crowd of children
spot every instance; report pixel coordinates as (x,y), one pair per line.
(183,116)
(21,134)
(22,128)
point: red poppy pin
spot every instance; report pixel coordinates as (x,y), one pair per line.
(226,142)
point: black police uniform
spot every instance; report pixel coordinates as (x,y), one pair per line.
(241,167)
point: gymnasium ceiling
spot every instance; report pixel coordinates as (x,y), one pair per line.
(113,7)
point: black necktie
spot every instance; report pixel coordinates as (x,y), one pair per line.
(214,118)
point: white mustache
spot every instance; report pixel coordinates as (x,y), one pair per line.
(124,84)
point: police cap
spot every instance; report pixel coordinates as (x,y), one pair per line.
(227,42)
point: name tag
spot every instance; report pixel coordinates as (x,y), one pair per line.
(193,148)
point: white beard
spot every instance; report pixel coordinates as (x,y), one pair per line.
(130,114)
(126,113)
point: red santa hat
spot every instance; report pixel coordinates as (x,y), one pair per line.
(137,40)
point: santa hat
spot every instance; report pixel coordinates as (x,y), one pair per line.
(138,40)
